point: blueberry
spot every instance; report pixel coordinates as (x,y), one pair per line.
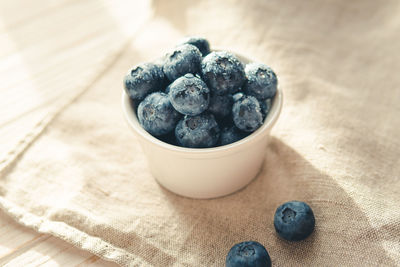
(201,43)
(197,131)
(220,105)
(167,89)
(230,134)
(168,138)
(294,220)
(246,113)
(184,59)
(223,72)
(265,106)
(143,80)
(235,90)
(189,95)
(248,254)
(156,114)
(261,81)
(237,96)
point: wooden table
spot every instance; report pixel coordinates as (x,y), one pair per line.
(20,246)
(51,52)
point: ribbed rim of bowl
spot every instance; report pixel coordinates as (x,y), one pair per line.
(262,132)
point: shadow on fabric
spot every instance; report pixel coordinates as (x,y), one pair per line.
(342,235)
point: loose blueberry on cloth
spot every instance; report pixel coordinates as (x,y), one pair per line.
(248,254)
(206,88)
(294,220)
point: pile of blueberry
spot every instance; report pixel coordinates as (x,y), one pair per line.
(293,221)
(197,98)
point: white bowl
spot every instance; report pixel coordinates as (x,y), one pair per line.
(205,172)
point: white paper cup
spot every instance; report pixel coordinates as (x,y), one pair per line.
(205,172)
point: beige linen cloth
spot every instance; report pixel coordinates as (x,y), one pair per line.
(82,175)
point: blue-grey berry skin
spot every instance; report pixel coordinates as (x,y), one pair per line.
(201,43)
(143,80)
(184,59)
(189,95)
(220,105)
(265,106)
(201,131)
(261,81)
(294,220)
(223,72)
(156,114)
(167,89)
(230,134)
(248,254)
(237,96)
(246,113)
(235,90)
(168,138)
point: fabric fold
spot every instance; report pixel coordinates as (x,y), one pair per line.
(85,178)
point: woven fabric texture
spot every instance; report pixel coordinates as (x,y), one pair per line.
(336,145)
